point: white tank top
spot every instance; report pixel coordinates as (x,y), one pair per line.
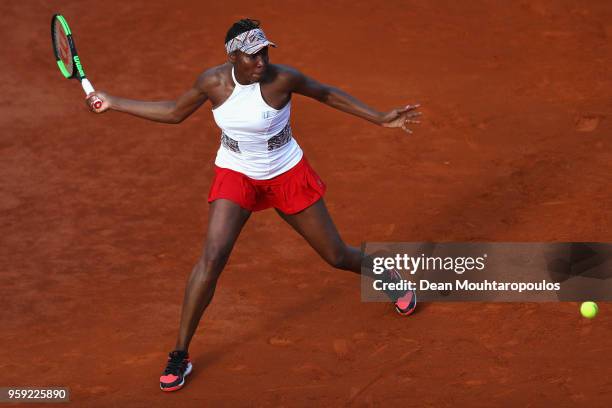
(256,139)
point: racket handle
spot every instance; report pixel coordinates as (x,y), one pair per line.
(88,88)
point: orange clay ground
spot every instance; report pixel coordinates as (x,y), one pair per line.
(102,217)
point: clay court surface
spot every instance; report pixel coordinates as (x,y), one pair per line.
(102,217)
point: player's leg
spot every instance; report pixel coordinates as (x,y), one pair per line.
(225,221)
(317,227)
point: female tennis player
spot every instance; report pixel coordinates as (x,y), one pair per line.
(258,165)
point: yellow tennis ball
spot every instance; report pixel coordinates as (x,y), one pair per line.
(589,309)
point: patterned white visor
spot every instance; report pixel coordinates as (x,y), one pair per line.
(248,42)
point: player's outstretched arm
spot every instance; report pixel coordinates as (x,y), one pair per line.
(163,111)
(338,99)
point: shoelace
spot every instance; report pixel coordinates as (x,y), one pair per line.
(395,276)
(175,365)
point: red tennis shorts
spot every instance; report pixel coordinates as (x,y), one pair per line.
(290,192)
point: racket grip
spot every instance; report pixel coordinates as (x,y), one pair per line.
(88,88)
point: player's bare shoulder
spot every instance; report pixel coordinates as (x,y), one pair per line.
(286,77)
(215,78)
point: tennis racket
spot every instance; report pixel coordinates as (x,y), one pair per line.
(66,56)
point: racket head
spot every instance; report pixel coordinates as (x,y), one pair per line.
(63,46)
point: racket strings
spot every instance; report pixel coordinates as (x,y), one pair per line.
(62,46)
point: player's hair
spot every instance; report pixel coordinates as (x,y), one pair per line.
(240,27)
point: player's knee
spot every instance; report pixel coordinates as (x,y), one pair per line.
(215,249)
(207,271)
(337,259)
(213,260)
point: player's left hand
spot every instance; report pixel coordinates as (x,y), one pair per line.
(402,117)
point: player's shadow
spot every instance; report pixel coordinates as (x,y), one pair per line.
(579,259)
(207,358)
(212,355)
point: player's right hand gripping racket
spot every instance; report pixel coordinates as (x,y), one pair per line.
(66,55)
